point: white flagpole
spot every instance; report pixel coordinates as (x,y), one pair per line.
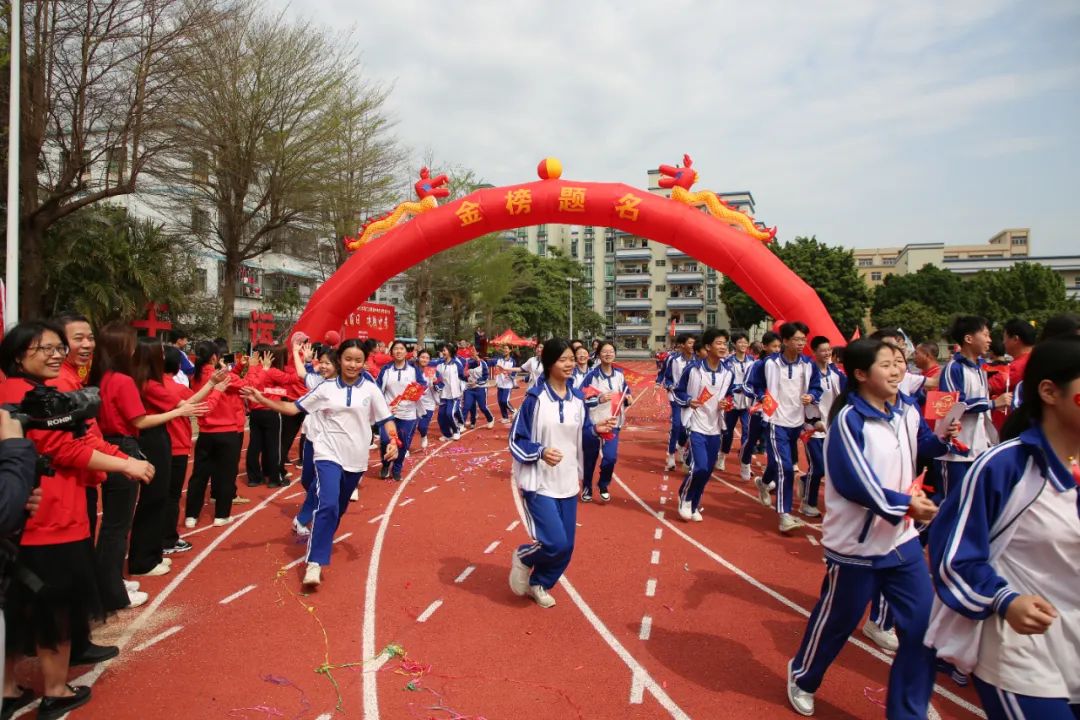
(11,305)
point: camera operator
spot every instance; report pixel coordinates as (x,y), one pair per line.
(17,475)
(55,593)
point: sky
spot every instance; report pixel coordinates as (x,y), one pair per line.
(861,122)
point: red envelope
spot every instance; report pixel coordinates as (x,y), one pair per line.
(705,396)
(938,403)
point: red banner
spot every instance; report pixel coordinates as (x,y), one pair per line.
(370,320)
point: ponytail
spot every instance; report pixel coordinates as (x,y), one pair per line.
(858,355)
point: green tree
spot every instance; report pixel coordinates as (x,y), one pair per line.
(920,321)
(107,265)
(538,303)
(831,271)
(1026,290)
(943,291)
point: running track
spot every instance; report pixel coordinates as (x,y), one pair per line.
(656,618)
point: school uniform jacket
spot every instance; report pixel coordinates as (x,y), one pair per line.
(740,371)
(613,383)
(787,382)
(674,366)
(698,375)
(451,378)
(977,430)
(544,417)
(393,381)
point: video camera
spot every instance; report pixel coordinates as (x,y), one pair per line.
(46,408)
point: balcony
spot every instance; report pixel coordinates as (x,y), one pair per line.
(633,303)
(675,252)
(676,278)
(686,303)
(633,279)
(633,329)
(633,253)
(689,328)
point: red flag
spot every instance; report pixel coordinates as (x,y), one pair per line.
(413,392)
(671,330)
(856,335)
(938,403)
(590,391)
(616,403)
(705,396)
(429,372)
(768,404)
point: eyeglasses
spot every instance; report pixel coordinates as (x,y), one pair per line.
(49,350)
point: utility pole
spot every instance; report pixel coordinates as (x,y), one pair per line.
(571,281)
(11,301)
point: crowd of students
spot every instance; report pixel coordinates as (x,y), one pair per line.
(996,603)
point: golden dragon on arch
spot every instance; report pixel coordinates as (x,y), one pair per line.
(680,179)
(428,189)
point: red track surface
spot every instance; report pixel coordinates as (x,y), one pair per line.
(664,618)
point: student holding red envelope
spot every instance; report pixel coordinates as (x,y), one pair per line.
(403,386)
(606,395)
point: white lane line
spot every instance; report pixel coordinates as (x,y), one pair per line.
(433,488)
(295,494)
(375,519)
(238,593)
(660,515)
(210,526)
(637,688)
(452,478)
(464,574)
(158,638)
(512,525)
(655,560)
(650,587)
(658,534)
(663,488)
(783,600)
(423,617)
(325,716)
(295,562)
(663,499)
(406,501)
(341,537)
(813,540)
(646,628)
(491,548)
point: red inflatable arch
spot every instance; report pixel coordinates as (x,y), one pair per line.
(734,253)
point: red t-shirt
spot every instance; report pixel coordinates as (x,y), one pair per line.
(120,405)
(933,371)
(158,398)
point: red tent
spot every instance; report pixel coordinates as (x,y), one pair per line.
(509,337)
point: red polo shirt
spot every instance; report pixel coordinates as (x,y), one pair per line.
(121,403)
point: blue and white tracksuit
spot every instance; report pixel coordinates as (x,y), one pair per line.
(595,446)
(740,413)
(704,424)
(549,493)
(977,429)
(429,403)
(477,375)
(393,380)
(787,382)
(673,370)
(1012,528)
(504,382)
(307,460)
(534,371)
(451,383)
(871,546)
(833,383)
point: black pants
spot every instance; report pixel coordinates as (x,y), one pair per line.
(217,459)
(177,475)
(264,446)
(148,526)
(118,498)
(290,428)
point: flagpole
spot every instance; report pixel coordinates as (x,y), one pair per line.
(11,301)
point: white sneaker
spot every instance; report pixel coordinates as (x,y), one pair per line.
(355,495)
(669,463)
(720,464)
(744,472)
(788,522)
(505,421)
(541,596)
(374,445)
(801,701)
(884,639)
(444,438)
(136,598)
(696,516)
(131,585)
(605,496)
(167,561)
(457,436)
(763,492)
(189,522)
(423,443)
(313,574)
(301,530)
(218,522)
(160,569)
(772,486)
(519,575)
(809,510)
(491,424)
(686,512)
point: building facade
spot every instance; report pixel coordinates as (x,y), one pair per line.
(875,264)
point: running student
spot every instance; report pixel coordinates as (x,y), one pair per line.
(673,368)
(833,383)
(396,378)
(504,382)
(739,363)
(607,381)
(451,378)
(430,400)
(870,541)
(1004,549)
(793,382)
(582,366)
(323,369)
(759,424)
(477,375)
(344,411)
(534,367)
(546,445)
(703,395)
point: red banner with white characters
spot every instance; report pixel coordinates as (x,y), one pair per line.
(370,320)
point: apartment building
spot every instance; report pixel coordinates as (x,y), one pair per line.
(875,264)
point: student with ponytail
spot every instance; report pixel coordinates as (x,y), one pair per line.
(506,368)
(1004,551)
(870,539)
(451,380)
(429,403)
(607,381)
(324,368)
(395,379)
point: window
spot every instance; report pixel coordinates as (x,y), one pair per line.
(200,166)
(588,248)
(1019,240)
(643,243)
(1076,281)
(541,247)
(710,318)
(690,318)
(609,245)
(661,288)
(200,222)
(875,276)
(662,313)
(889,261)
(609,269)
(660,338)
(661,263)
(866,262)
(200,280)
(573,248)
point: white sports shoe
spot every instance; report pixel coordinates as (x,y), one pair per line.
(669,463)
(457,436)
(763,492)
(189,522)
(136,598)
(884,639)
(809,510)
(313,574)
(519,575)
(788,522)
(801,701)
(218,522)
(541,596)
(744,472)
(131,585)
(355,495)
(686,512)
(423,443)
(696,516)
(491,424)
(159,569)
(720,463)
(299,529)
